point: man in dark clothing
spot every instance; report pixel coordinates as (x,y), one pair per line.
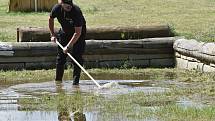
(71,36)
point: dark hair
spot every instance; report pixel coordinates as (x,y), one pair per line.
(70,2)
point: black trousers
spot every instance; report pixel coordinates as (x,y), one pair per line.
(77,51)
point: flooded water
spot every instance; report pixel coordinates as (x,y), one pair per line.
(87,86)
(11,110)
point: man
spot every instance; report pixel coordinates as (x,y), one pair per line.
(71,36)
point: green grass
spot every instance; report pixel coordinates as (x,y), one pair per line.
(177,113)
(128,73)
(190,18)
(132,106)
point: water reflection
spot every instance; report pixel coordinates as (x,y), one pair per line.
(74,109)
(63,109)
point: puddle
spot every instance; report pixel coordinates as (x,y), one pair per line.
(10,110)
(186,103)
(53,116)
(13,115)
(87,86)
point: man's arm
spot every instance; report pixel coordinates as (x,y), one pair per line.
(75,36)
(51,27)
(74,39)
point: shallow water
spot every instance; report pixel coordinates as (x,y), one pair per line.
(87,86)
(10,110)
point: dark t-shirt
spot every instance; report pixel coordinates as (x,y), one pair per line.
(70,19)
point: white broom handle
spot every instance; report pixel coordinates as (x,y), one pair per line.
(97,84)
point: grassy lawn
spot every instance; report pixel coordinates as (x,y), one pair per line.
(190,18)
(29,76)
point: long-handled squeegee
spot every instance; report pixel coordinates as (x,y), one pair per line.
(108,85)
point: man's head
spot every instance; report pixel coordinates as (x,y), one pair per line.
(67,4)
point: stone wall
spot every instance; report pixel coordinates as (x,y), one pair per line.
(191,54)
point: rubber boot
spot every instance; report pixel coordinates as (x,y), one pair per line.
(59,72)
(76,80)
(76,74)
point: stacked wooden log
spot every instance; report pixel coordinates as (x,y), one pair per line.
(32,34)
(27,55)
(191,54)
(31,5)
(150,52)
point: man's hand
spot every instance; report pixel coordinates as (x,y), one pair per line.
(53,39)
(65,49)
